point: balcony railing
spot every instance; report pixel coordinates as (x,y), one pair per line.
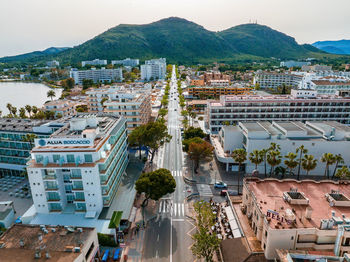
(51,188)
(49,177)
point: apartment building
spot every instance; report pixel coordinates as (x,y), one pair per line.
(316,68)
(196,82)
(94,62)
(215,75)
(52,243)
(301,105)
(286,214)
(217,91)
(153,69)
(132,104)
(317,137)
(63,108)
(126,62)
(274,79)
(80,166)
(330,86)
(15,148)
(292,63)
(198,106)
(53,63)
(97,75)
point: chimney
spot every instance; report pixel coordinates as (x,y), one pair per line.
(308,212)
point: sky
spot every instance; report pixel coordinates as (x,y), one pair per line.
(28,25)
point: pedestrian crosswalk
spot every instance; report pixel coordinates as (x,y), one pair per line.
(176,173)
(175,209)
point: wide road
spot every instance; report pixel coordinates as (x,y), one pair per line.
(168,236)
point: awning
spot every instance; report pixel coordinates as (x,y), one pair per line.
(115,220)
(233,223)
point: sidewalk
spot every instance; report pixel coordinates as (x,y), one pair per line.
(135,240)
(207,174)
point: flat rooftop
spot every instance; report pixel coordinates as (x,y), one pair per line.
(269,196)
(53,242)
(20,125)
(305,131)
(276,98)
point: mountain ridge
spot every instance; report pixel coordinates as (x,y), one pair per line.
(340,47)
(34,54)
(183,41)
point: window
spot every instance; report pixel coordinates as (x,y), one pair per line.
(39,158)
(56,158)
(265,233)
(88,158)
(70,158)
(292,237)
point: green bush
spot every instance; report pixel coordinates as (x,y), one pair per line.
(106,240)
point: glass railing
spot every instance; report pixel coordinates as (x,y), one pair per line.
(51,187)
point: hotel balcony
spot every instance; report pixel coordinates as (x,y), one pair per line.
(77,188)
(53,199)
(51,188)
(49,177)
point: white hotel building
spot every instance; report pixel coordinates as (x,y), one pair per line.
(97,75)
(153,69)
(94,62)
(274,79)
(301,105)
(79,168)
(317,137)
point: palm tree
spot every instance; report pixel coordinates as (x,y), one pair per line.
(9,107)
(239,155)
(14,111)
(309,163)
(338,160)
(256,158)
(28,109)
(264,156)
(280,170)
(290,162)
(51,94)
(275,147)
(34,110)
(30,138)
(274,159)
(328,159)
(301,150)
(343,173)
(22,112)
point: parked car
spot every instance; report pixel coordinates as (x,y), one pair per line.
(220,184)
(230,192)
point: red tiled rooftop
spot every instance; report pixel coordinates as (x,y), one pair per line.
(269,196)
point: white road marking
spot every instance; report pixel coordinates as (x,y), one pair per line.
(183,209)
(160,206)
(179,206)
(174,209)
(178,219)
(164,207)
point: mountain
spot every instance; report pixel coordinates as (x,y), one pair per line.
(260,40)
(34,55)
(182,41)
(341,47)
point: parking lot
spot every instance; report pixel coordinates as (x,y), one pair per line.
(16,189)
